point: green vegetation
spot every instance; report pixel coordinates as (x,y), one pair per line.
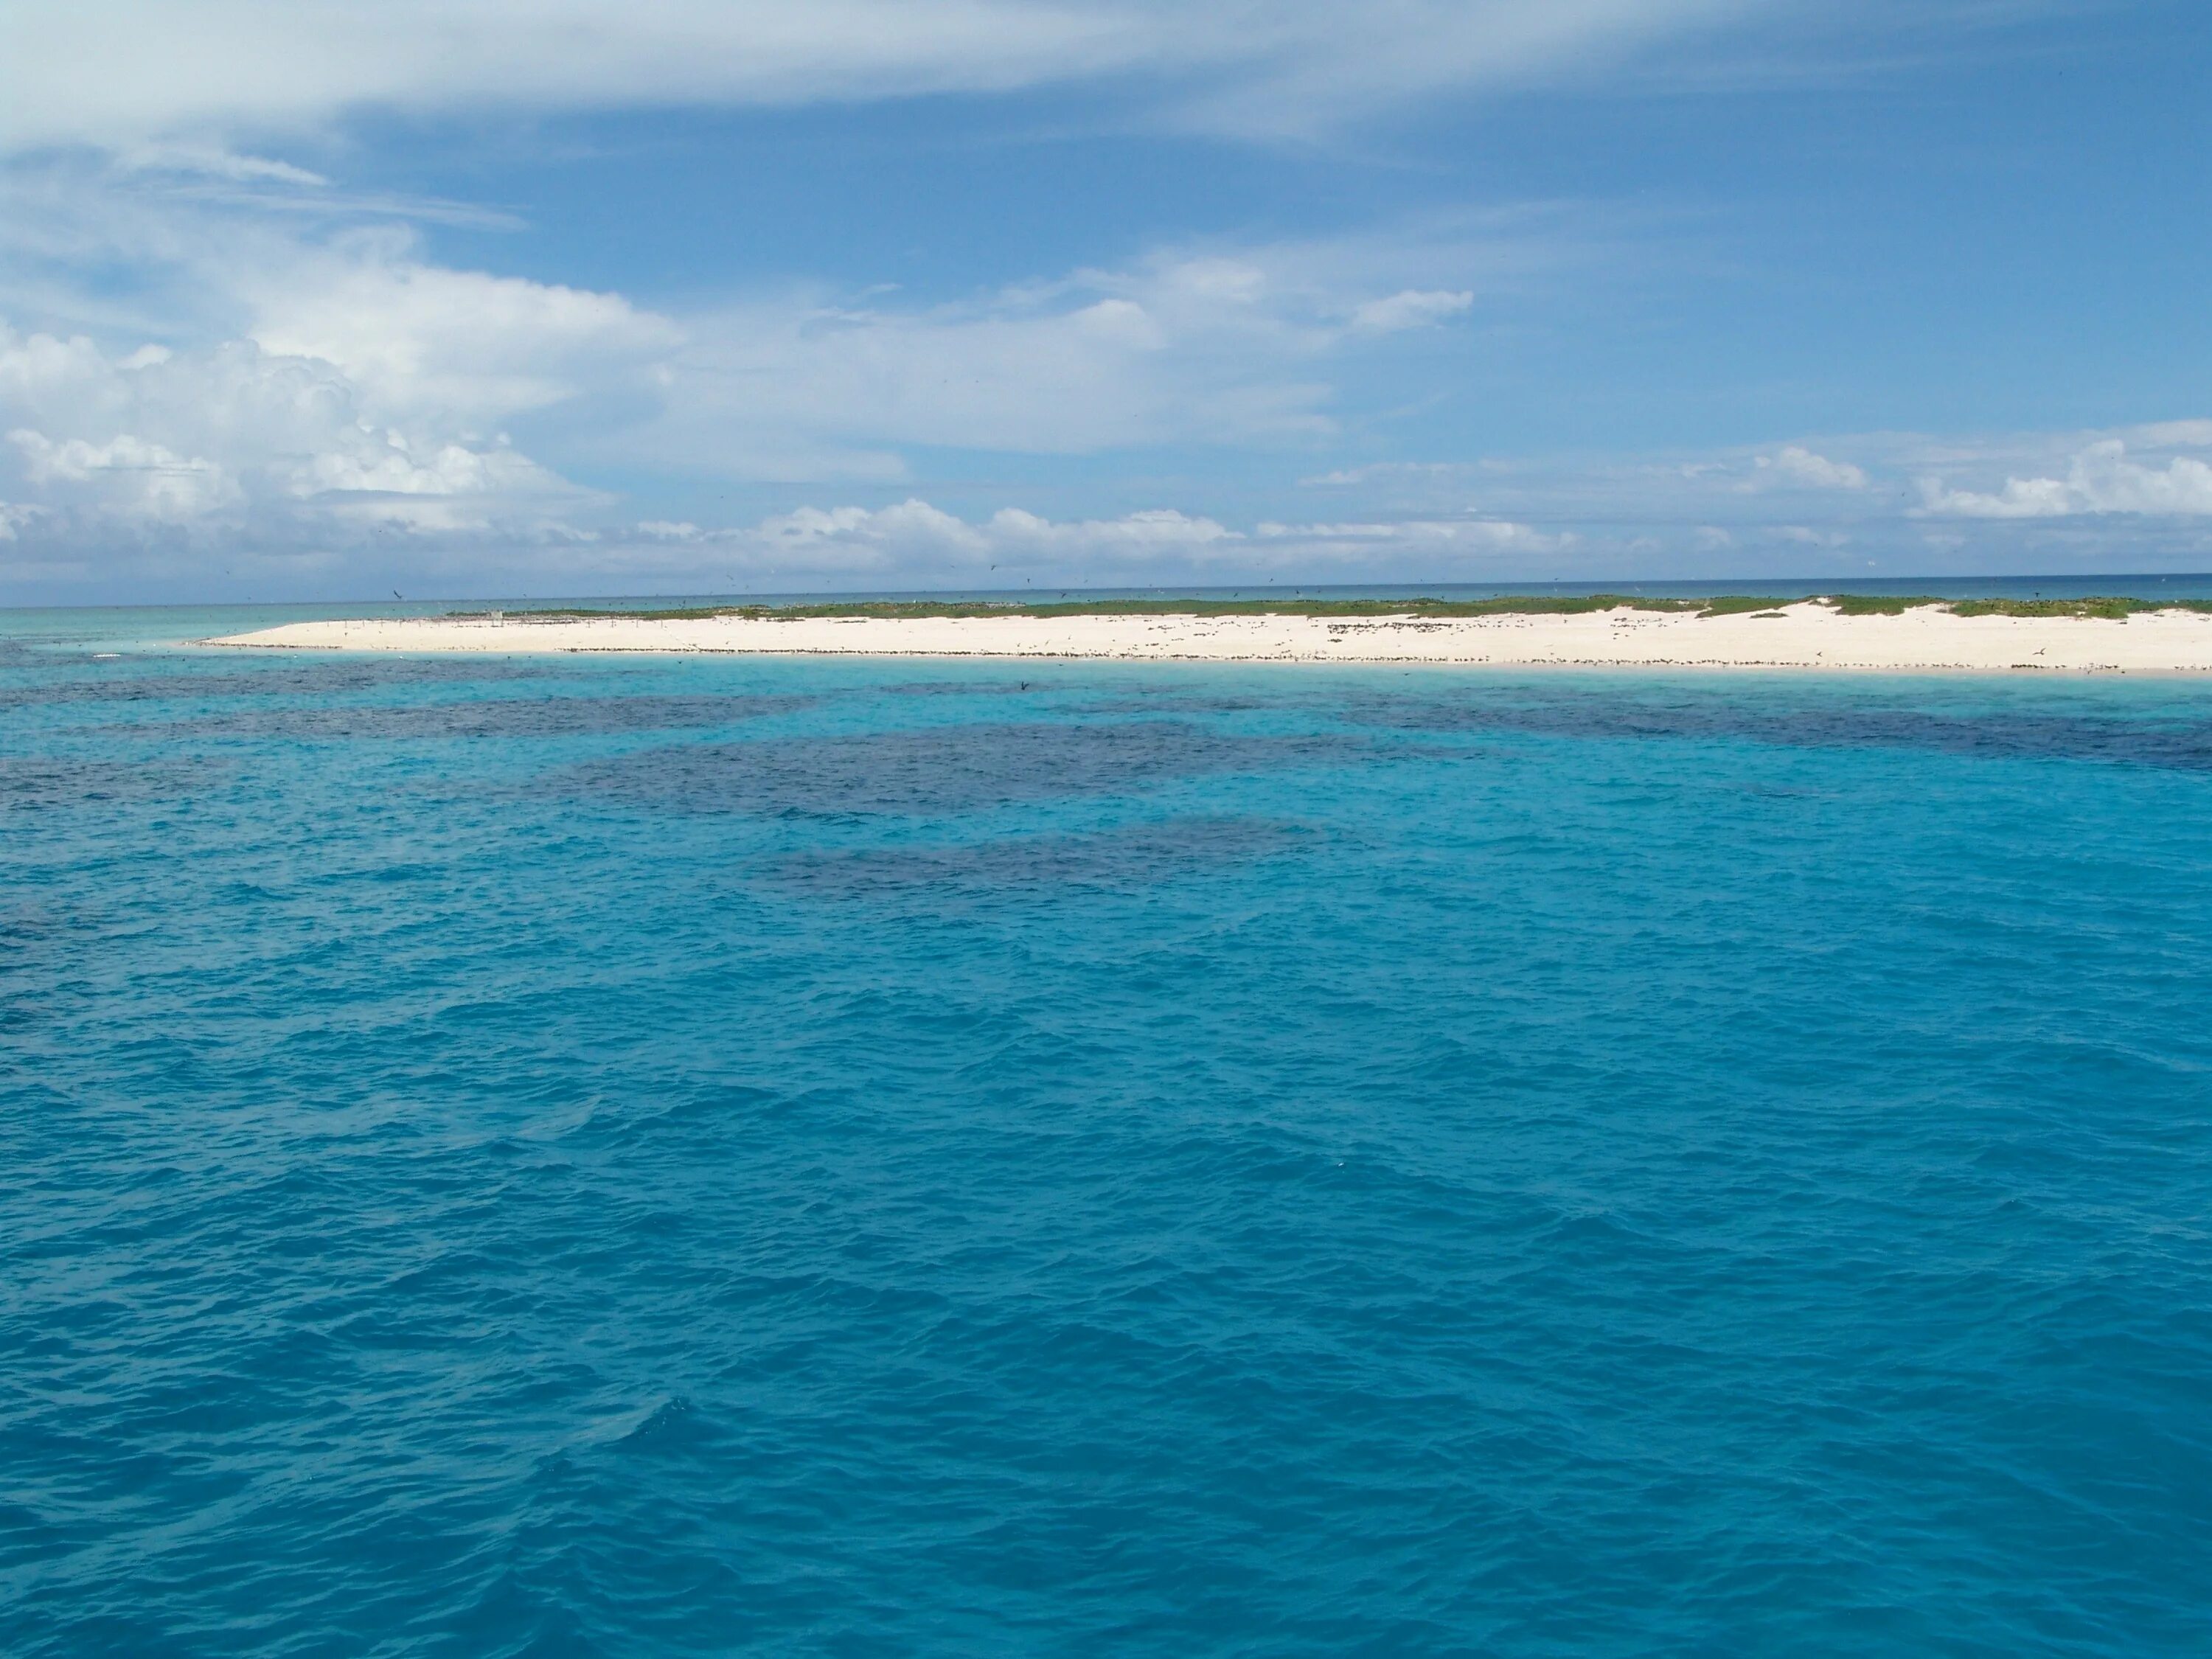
(1734,605)
(1879,604)
(1727,605)
(2112,609)
(1546,604)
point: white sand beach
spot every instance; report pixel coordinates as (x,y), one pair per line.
(1806,634)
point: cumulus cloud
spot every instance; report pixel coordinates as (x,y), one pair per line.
(414,338)
(1156,533)
(2099,478)
(217,438)
(1799,466)
(2021,498)
(143,479)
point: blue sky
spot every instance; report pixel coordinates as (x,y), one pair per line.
(319,301)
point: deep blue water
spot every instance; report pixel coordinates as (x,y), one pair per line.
(689,1157)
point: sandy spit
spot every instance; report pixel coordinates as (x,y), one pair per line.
(1802,636)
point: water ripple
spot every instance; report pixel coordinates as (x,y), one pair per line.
(1227,1162)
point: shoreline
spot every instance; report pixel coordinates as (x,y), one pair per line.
(1804,635)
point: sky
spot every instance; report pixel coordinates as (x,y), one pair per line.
(490,298)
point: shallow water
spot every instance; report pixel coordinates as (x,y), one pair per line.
(827,1157)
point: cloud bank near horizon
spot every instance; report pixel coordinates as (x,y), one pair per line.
(299,475)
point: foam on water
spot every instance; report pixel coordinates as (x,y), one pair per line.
(822,1156)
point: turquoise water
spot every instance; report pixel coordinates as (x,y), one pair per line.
(689,1157)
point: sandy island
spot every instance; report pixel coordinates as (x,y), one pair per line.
(1802,634)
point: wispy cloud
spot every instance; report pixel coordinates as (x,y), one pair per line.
(1410,308)
(1464,537)
(210,161)
(121,73)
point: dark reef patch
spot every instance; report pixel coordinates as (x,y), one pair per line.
(36,782)
(127,680)
(943,769)
(959,688)
(1134,857)
(2181,745)
(496,717)
(1158,701)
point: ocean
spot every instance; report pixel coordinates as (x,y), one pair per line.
(682,1156)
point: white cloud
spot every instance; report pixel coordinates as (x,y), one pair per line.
(209,161)
(2099,478)
(916,539)
(1347,478)
(1155,532)
(2173,434)
(845,536)
(1206,344)
(1194,350)
(1411,309)
(345,379)
(313,388)
(143,479)
(848,539)
(2021,498)
(1798,465)
(415,338)
(118,72)
(1833,491)
(241,436)
(1457,535)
